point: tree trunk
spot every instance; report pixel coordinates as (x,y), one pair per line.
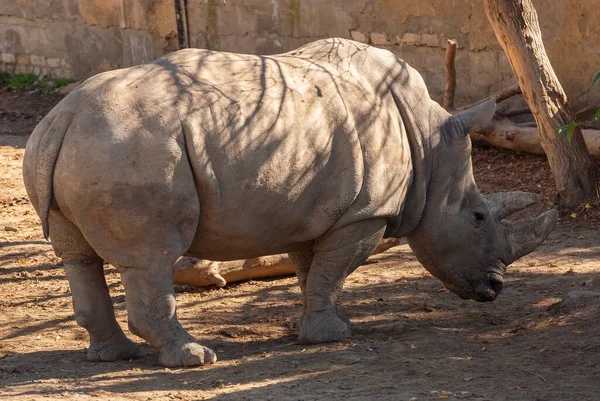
(515,23)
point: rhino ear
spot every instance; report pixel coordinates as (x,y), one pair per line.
(476,118)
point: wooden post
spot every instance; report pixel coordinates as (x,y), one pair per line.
(516,25)
(448,102)
(183,35)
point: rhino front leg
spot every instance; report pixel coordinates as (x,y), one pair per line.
(91,300)
(302,262)
(152,315)
(335,256)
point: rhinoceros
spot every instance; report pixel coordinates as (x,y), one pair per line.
(319,152)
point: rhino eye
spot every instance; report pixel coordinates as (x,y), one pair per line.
(479,216)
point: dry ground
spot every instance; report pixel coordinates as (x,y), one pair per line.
(540,340)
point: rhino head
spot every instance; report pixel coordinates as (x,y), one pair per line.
(462,237)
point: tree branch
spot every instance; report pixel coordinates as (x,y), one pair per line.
(501,95)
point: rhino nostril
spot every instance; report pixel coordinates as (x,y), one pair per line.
(496,284)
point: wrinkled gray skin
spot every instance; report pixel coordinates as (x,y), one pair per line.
(319,152)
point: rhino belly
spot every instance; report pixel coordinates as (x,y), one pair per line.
(235,241)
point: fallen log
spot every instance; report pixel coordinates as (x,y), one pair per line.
(522,138)
(199,273)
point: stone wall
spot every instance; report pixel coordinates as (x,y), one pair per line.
(77,39)
(71,38)
(415,30)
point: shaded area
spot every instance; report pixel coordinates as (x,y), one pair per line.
(411,339)
(21,111)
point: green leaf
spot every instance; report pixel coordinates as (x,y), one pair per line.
(597,77)
(570,130)
(561,130)
(597,115)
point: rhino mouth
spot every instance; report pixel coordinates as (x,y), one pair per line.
(489,289)
(485,290)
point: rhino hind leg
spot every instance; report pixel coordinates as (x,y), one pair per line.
(91,300)
(302,262)
(335,257)
(152,315)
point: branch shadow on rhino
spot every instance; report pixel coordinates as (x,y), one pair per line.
(226,114)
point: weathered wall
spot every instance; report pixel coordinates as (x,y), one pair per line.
(79,38)
(76,39)
(415,30)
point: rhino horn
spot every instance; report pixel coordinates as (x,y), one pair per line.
(524,235)
(504,204)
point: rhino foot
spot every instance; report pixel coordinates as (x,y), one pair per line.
(342,317)
(113,350)
(188,354)
(324,327)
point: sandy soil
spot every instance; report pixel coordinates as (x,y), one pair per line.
(413,340)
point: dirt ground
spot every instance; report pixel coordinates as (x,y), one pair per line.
(413,340)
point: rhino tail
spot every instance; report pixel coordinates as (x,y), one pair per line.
(46,157)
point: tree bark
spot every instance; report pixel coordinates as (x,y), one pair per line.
(516,26)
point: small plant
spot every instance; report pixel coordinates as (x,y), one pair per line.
(61,82)
(569,129)
(22,81)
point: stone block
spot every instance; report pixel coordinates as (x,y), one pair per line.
(37,60)
(316,18)
(64,73)
(22,69)
(23,59)
(9,58)
(379,39)
(10,68)
(409,38)
(53,62)
(430,40)
(358,36)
